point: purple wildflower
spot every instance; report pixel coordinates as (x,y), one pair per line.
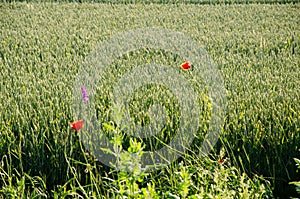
(85,95)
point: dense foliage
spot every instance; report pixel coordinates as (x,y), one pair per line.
(211,2)
(43,46)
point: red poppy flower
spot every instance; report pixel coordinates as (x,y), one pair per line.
(77,125)
(186,65)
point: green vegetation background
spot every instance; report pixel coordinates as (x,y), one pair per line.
(164,1)
(42,47)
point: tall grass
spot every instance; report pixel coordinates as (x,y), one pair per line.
(43,46)
(195,2)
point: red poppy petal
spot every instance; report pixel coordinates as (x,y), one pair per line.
(77,125)
(186,65)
